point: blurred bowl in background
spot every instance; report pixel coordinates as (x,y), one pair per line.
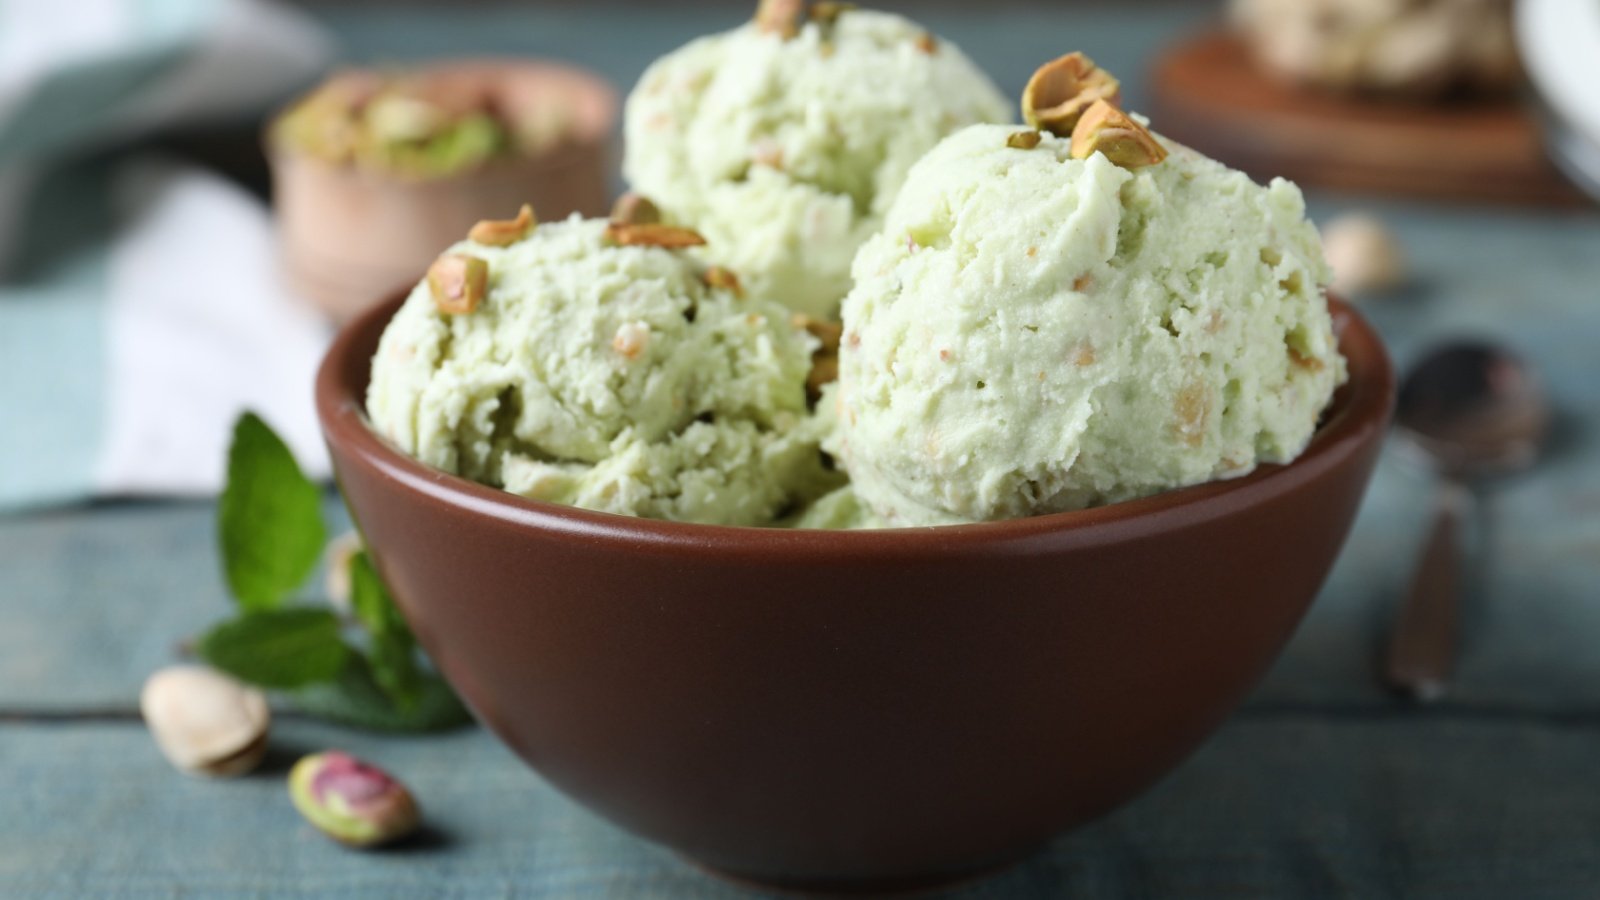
(353,231)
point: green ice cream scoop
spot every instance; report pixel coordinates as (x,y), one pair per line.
(785,151)
(608,377)
(1031,333)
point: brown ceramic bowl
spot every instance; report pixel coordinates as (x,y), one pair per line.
(350,237)
(856,709)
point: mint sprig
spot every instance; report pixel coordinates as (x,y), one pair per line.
(269,518)
(365,670)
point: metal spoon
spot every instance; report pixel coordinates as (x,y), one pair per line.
(1471,412)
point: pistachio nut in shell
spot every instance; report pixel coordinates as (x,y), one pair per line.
(352,801)
(1108,130)
(1062,89)
(205,722)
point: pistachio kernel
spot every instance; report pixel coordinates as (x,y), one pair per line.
(504,232)
(928,43)
(1023,140)
(351,801)
(458,283)
(826,332)
(1061,89)
(780,17)
(652,234)
(827,12)
(634,209)
(1105,129)
(825,360)
(723,280)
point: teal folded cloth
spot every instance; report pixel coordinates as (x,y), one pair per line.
(139,306)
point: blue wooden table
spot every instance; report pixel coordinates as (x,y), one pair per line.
(1323,785)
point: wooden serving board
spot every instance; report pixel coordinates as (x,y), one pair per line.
(1208,93)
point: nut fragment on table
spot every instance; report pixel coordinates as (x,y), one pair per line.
(1105,129)
(1364,254)
(1062,89)
(205,722)
(352,801)
(504,232)
(458,282)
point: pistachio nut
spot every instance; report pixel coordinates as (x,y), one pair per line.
(341,550)
(652,234)
(351,801)
(780,17)
(827,12)
(928,43)
(205,722)
(722,279)
(1364,254)
(504,232)
(458,282)
(1061,89)
(1105,129)
(825,361)
(634,209)
(1024,140)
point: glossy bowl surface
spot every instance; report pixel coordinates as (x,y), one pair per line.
(856,709)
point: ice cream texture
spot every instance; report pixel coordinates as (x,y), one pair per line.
(1030,332)
(785,152)
(607,377)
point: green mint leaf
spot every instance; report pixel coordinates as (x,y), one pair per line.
(391,649)
(356,699)
(280,649)
(269,518)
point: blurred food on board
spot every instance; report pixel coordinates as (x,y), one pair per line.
(375,170)
(1407,48)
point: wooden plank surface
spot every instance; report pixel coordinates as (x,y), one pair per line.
(1322,785)
(1275,805)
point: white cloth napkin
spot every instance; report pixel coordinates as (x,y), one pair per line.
(140,309)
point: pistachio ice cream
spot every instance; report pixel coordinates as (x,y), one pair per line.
(567,362)
(1036,329)
(785,140)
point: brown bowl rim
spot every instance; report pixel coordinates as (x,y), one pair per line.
(1359,414)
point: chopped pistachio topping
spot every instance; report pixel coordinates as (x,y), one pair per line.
(504,232)
(722,279)
(458,283)
(1024,140)
(1105,129)
(780,17)
(652,234)
(1061,89)
(927,43)
(634,209)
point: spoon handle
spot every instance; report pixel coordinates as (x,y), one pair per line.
(1422,649)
